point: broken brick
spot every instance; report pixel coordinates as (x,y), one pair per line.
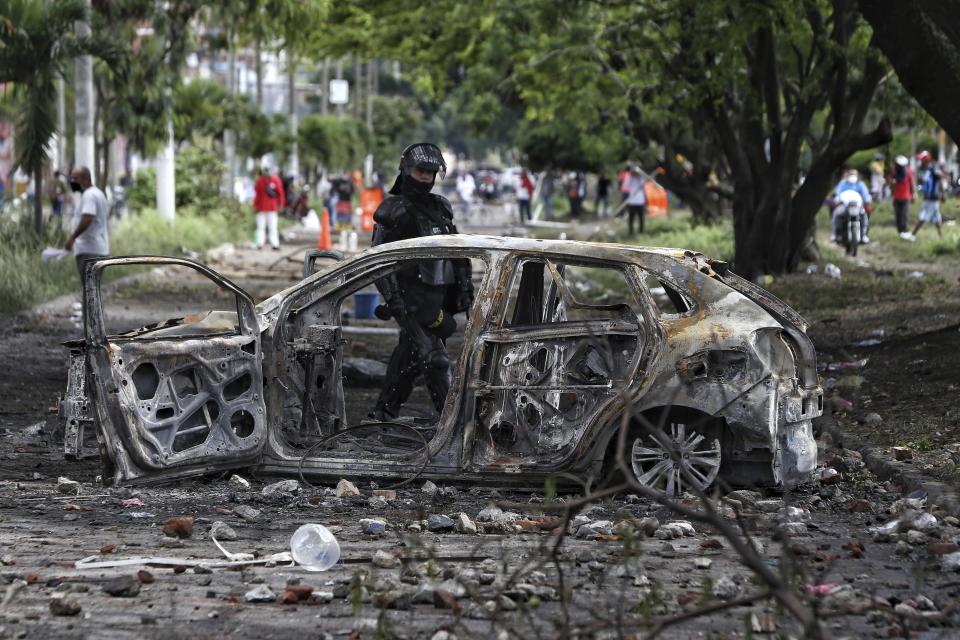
(178,527)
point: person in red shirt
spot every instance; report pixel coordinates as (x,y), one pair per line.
(525,190)
(903,191)
(267,201)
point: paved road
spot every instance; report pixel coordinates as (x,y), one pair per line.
(503,584)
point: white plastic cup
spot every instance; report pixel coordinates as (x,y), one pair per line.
(314,548)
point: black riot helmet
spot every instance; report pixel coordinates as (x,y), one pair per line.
(422,155)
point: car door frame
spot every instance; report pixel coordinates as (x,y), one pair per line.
(446,445)
(580,455)
(135,454)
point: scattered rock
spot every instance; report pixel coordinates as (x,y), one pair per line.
(769,506)
(377,502)
(744,496)
(872,419)
(346,489)
(902,453)
(238,483)
(595,528)
(439,522)
(951,561)
(702,563)
(373,526)
(386,494)
(465,525)
(261,593)
(792,529)
(247,513)
(64,604)
(284,488)
(859,505)
(711,544)
(178,527)
(145,577)
(384,560)
(847,463)
(674,530)
(295,593)
(648,525)
(916,537)
(726,588)
(68,486)
(122,587)
(829,476)
(429,488)
(222,531)
(943,548)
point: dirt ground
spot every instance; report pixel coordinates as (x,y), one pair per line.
(502,581)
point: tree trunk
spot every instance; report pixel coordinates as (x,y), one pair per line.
(258,66)
(38,201)
(921,38)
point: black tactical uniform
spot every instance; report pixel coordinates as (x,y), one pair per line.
(424,296)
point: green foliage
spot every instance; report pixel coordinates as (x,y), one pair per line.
(25,280)
(199,108)
(331,142)
(198,174)
(677,230)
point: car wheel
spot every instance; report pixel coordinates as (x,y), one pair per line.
(671,460)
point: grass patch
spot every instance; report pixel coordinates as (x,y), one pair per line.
(25,280)
(928,245)
(675,230)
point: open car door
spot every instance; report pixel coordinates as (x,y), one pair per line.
(180,397)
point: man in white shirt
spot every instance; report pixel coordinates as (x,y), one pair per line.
(637,200)
(89,239)
(466,186)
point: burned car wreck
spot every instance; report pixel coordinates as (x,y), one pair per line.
(563,339)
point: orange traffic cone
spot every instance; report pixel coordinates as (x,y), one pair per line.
(323,242)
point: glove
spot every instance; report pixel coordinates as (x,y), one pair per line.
(465,299)
(397,307)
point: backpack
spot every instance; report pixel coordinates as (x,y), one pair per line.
(270,189)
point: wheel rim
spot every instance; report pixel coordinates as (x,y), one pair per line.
(670,460)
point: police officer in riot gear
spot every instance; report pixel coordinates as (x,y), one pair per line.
(423,296)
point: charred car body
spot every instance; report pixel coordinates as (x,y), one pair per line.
(548,366)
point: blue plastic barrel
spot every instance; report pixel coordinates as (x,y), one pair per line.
(364,302)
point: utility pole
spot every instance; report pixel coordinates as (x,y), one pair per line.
(229,136)
(339,72)
(166,185)
(84,150)
(292,110)
(357,86)
(371,73)
(61,143)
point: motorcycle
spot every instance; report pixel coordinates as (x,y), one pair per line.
(850,212)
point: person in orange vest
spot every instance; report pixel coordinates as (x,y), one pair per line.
(268,199)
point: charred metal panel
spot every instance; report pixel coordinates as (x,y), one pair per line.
(534,398)
(75,411)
